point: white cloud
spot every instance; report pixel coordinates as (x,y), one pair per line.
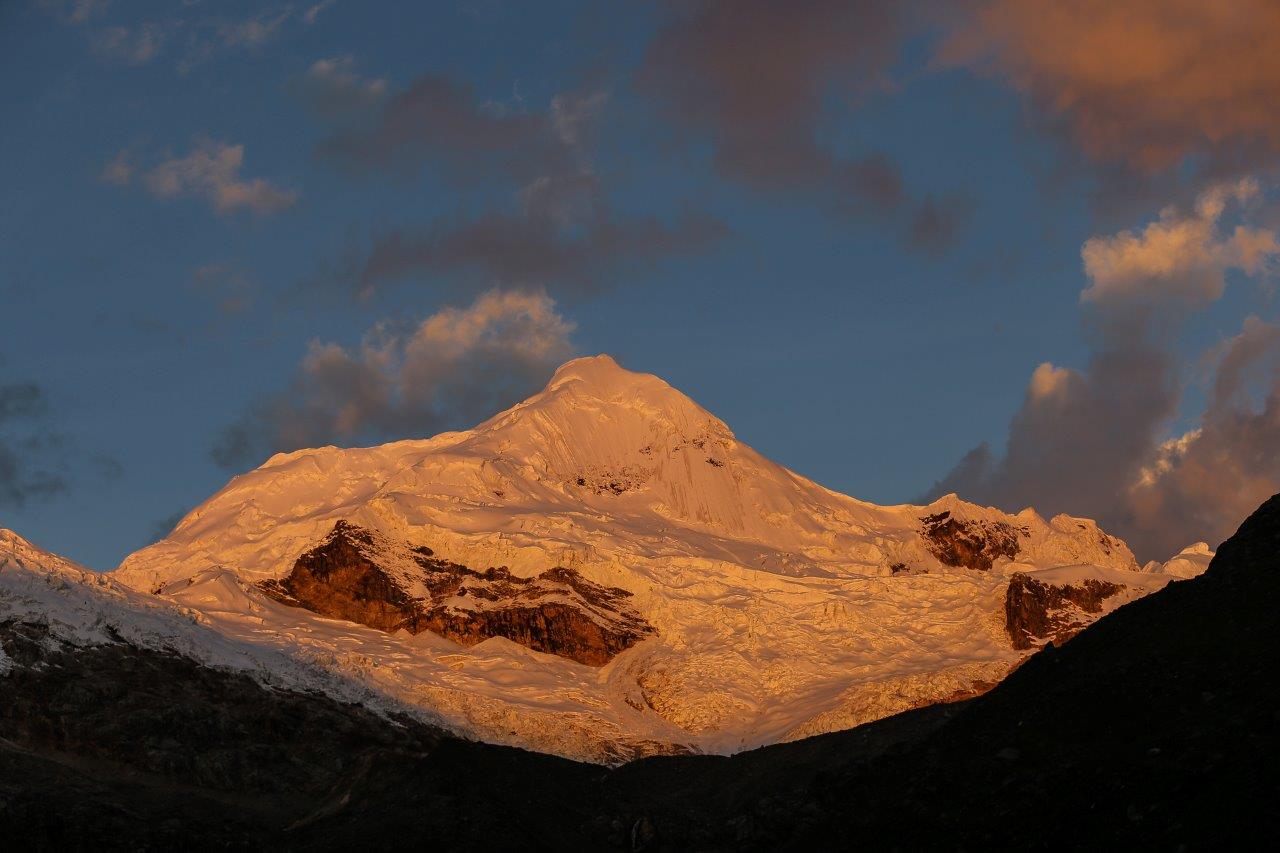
(1180,259)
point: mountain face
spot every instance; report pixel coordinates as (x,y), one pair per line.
(1153,729)
(605,571)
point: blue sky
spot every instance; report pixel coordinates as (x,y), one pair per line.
(150,320)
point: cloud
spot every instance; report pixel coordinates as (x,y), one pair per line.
(565,238)
(136,45)
(573,115)
(756,75)
(1178,259)
(452,369)
(211,171)
(1208,479)
(559,231)
(25,445)
(333,91)
(253,33)
(1095,441)
(439,122)
(20,400)
(228,288)
(76,11)
(1144,84)
(936,222)
(121,170)
(165,526)
(763,81)
(208,37)
(313,12)
(211,36)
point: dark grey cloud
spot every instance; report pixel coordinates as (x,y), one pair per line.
(164,526)
(936,222)
(20,400)
(439,122)
(1095,442)
(757,76)
(558,231)
(1210,478)
(762,80)
(533,247)
(26,443)
(453,369)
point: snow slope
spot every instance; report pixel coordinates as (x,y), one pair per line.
(81,607)
(1187,563)
(782,608)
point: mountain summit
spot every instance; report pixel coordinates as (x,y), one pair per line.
(604,570)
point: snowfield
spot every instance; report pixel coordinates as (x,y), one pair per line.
(782,609)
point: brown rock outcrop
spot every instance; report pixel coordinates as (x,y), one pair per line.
(355,575)
(1037,611)
(968,544)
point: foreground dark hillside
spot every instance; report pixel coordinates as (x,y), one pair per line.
(1157,727)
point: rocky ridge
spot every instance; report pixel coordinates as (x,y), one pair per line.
(358,575)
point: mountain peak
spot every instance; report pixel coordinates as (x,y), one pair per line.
(602,375)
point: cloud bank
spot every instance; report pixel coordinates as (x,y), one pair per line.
(1095,441)
(1142,84)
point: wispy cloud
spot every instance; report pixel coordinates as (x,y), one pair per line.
(312,12)
(210,171)
(76,11)
(208,37)
(36,459)
(559,231)
(440,124)
(227,287)
(134,45)
(335,92)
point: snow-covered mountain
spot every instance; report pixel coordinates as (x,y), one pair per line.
(604,570)
(76,607)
